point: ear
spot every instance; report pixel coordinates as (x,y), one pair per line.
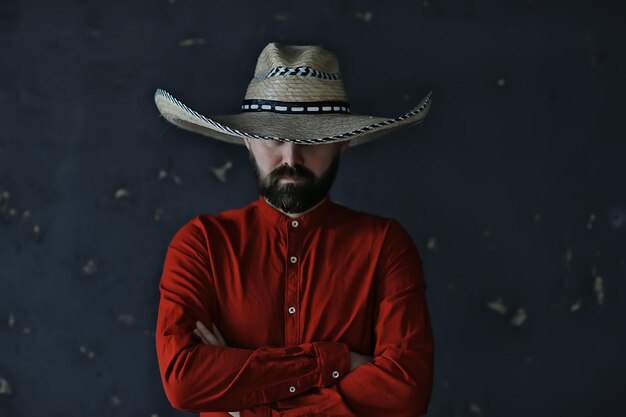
(245,142)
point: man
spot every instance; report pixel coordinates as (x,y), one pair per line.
(294,305)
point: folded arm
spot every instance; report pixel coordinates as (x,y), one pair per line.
(215,338)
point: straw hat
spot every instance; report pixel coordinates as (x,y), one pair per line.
(296,95)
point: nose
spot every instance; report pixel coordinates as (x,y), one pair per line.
(292,154)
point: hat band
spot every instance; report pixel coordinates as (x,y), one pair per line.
(293,107)
(302,71)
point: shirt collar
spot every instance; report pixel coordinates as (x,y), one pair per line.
(314,217)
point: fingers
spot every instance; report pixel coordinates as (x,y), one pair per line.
(206,334)
(219,335)
(201,336)
(357,359)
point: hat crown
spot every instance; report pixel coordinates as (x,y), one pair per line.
(276,55)
(297,79)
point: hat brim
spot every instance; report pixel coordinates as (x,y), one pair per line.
(308,129)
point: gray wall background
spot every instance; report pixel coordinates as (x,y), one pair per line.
(513,188)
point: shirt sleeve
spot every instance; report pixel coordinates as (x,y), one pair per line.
(398,382)
(199,377)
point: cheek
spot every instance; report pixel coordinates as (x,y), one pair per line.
(327,158)
(267,161)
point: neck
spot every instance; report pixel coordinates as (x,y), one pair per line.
(296,215)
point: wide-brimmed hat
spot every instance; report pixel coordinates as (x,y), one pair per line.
(296,95)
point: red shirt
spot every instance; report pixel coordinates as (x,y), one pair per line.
(292,298)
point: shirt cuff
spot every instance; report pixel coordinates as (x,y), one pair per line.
(334,358)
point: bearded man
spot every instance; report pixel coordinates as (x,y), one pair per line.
(294,305)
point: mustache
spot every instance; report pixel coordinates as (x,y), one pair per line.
(287,171)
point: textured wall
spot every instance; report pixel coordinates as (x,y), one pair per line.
(513,189)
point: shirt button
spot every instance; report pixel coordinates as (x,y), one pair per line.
(293,259)
(295,223)
(292,310)
(292,389)
(335,374)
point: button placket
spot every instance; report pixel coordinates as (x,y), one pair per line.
(292,291)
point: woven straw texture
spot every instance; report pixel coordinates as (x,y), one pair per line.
(291,73)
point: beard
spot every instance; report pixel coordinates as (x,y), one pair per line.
(295,197)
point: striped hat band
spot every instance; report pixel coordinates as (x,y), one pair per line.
(294,107)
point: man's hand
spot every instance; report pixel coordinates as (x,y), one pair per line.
(357,359)
(209,338)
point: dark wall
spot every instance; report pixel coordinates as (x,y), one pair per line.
(513,188)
